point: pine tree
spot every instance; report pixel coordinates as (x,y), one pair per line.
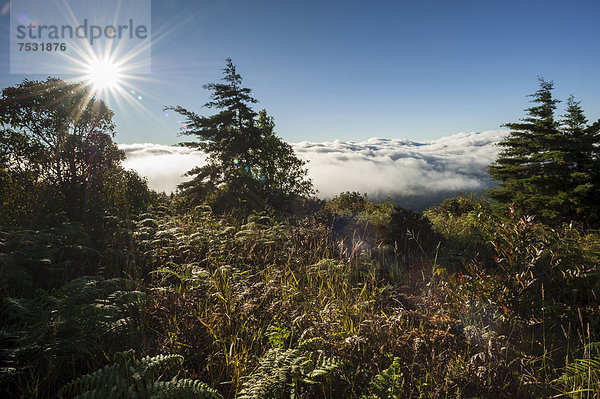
(248,166)
(579,159)
(547,166)
(527,164)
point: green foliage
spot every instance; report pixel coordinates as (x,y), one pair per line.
(459,206)
(355,204)
(55,132)
(58,335)
(389,384)
(360,223)
(281,373)
(465,223)
(412,235)
(267,308)
(57,153)
(128,377)
(46,258)
(508,263)
(249,167)
(581,378)
(547,166)
(349,202)
(356,300)
(524,277)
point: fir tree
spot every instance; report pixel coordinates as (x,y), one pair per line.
(525,167)
(248,166)
(547,166)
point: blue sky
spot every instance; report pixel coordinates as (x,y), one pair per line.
(352,70)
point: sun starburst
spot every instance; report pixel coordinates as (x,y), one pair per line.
(104,75)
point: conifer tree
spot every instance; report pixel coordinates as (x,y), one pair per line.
(524,166)
(548,167)
(248,166)
(583,161)
(580,154)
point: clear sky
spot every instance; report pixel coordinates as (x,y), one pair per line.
(352,70)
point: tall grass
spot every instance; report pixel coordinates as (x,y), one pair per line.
(358,300)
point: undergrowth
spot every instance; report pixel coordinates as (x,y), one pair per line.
(357,300)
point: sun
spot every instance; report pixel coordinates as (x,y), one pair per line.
(103,75)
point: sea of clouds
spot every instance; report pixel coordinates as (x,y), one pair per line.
(414,174)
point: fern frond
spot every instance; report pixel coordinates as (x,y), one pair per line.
(583,375)
(152,366)
(127,377)
(389,384)
(281,370)
(183,389)
(326,366)
(273,374)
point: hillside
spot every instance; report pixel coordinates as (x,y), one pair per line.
(357,300)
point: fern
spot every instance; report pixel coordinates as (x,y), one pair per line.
(126,377)
(183,389)
(389,384)
(281,371)
(581,377)
(58,336)
(324,367)
(44,259)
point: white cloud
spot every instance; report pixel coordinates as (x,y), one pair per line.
(163,165)
(416,174)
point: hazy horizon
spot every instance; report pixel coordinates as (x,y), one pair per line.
(414,174)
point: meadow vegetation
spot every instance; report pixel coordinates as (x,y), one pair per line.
(348,302)
(131,293)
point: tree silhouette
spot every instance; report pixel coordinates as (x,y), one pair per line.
(548,166)
(56,150)
(248,166)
